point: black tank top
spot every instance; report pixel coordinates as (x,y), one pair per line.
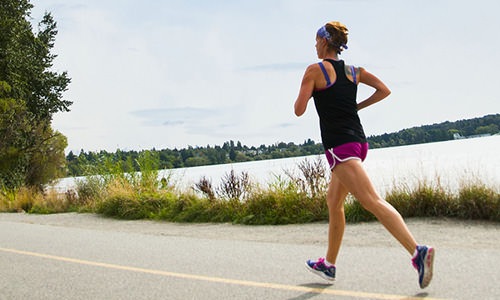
(338,110)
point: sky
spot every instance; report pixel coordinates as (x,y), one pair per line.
(174,74)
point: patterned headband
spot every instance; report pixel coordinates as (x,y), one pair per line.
(323,33)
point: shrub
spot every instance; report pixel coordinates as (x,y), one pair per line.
(225,211)
(32,200)
(282,204)
(423,201)
(19,200)
(50,202)
(90,190)
(478,202)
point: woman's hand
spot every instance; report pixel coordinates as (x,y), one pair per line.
(381,90)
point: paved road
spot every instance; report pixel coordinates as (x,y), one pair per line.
(84,256)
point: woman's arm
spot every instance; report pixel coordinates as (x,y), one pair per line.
(381,90)
(306,90)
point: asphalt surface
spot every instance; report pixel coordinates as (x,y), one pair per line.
(85,256)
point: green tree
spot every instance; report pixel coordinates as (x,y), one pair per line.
(26,60)
(31,153)
(46,159)
(14,127)
(489,129)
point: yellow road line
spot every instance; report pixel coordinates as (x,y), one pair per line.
(267,285)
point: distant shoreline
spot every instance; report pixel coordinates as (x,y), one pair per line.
(447,161)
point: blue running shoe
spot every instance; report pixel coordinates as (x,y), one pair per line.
(423,261)
(319,268)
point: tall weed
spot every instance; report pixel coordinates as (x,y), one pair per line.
(235,186)
(312,179)
(204,185)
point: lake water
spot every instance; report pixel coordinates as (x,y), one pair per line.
(450,163)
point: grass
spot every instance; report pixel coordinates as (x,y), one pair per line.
(32,200)
(297,198)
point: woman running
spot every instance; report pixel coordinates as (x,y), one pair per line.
(333,85)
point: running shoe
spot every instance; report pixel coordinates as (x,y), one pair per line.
(423,261)
(319,268)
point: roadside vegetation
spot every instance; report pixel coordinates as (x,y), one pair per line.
(294,198)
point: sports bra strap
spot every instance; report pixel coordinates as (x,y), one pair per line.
(327,78)
(353,72)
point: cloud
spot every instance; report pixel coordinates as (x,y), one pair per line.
(172,116)
(285,125)
(275,67)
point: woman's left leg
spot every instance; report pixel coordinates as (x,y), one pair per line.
(354,178)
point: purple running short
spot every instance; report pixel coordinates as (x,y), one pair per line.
(346,152)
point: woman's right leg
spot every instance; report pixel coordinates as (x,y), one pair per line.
(335,198)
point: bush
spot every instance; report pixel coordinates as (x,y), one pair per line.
(18,200)
(90,190)
(223,211)
(478,202)
(283,203)
(423,201)
(32,200)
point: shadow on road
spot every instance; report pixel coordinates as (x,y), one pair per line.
(316,286)
(422,295)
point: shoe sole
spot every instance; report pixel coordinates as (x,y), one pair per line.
(429,263)
(320,274)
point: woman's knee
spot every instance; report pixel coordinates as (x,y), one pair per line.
(335,204)
(336,195)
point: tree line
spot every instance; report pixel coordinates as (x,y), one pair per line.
(487,125)
(86,163)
